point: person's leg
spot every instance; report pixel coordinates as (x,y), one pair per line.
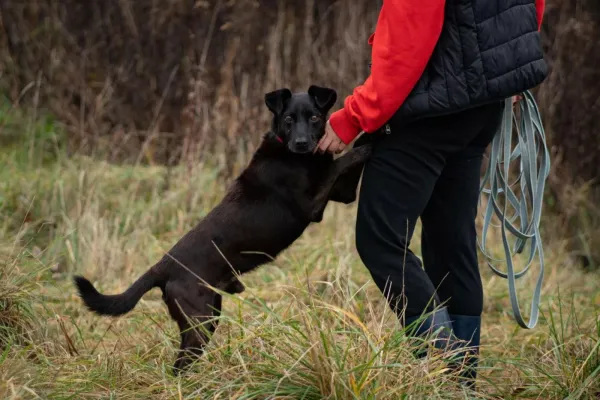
(449,238)
(397,184)
(449,248)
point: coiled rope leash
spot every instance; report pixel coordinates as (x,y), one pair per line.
(531,140)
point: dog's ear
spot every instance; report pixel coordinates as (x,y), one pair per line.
(324,97)
(276,100)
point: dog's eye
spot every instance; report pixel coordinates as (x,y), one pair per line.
(288,120)
(314,118)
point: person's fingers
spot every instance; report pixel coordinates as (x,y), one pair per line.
(325,143)
(336,146)
(318,146)
(516,99)
(330,141)
(321,142)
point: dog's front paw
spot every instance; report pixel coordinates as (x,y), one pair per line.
(363,152)
(346,187)
(344,196)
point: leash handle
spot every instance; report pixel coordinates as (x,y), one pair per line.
(530,142)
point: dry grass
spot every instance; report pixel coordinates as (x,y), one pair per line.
(310,326)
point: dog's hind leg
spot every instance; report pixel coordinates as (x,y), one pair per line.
(233,286)
(195,308)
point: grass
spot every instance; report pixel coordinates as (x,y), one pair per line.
(311,325)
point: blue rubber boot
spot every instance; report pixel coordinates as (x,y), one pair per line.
(467,329)
(438,323)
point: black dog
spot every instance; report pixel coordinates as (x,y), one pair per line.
(284,188)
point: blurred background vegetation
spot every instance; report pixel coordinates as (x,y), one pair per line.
(161,82)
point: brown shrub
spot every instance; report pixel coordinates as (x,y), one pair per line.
(180,74)
(570,102)
(570,96)
(170,78)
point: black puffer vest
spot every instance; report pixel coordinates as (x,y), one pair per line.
(488,50)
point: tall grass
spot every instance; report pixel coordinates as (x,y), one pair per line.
(311,325)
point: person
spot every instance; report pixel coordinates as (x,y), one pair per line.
(440,75)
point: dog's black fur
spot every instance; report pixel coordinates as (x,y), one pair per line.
(284,188)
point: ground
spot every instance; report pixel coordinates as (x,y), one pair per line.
(311,325)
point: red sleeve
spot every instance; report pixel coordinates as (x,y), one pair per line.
(405,37)
(540,6)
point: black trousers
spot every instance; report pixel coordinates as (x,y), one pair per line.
(428,169)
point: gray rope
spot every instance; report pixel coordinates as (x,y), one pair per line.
(533,172)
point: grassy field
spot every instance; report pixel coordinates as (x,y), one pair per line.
(311,325)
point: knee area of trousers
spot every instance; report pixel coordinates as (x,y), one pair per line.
(373,247)
(375,237)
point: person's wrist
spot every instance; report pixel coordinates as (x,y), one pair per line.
(343,126)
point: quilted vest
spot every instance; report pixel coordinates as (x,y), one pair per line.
(488,50)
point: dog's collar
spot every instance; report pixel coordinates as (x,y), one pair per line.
(280,140)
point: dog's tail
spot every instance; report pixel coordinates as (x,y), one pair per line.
(117,304)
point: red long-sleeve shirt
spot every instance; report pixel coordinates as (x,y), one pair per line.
(404,39)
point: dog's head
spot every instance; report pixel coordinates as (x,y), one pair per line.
(299,118)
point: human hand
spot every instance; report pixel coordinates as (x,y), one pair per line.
(330,142)
(516,99)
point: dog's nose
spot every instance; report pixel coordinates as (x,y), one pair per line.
(301,143)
